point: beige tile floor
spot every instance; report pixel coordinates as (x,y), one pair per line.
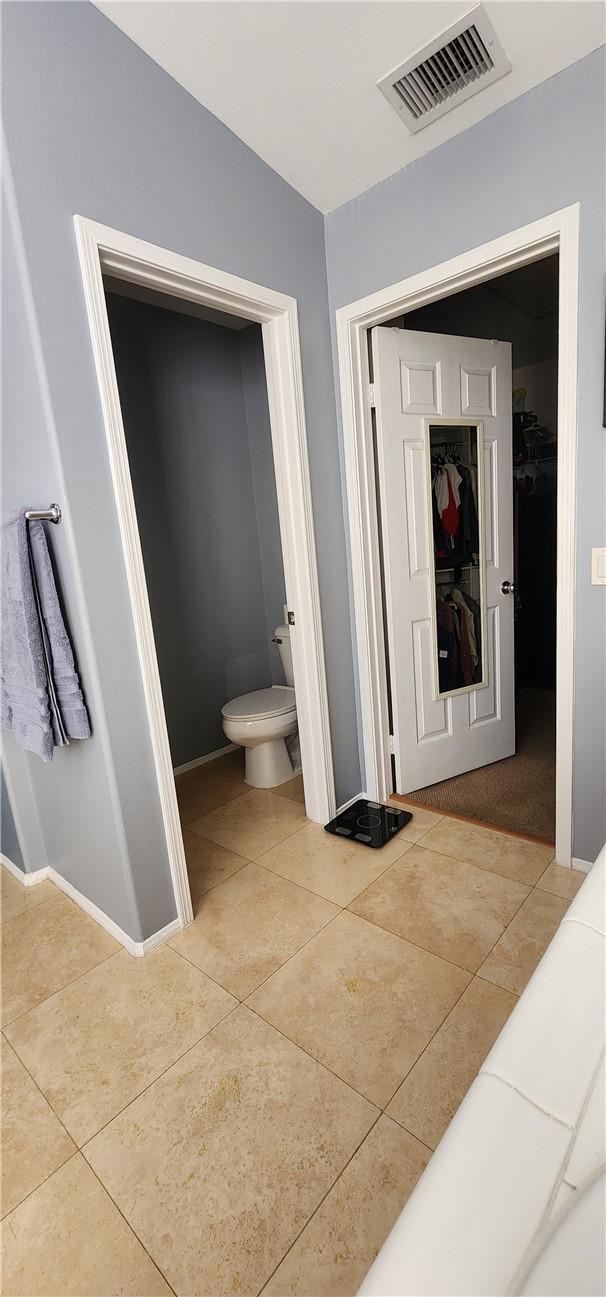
(247,1109)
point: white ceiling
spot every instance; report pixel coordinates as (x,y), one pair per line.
(296,79)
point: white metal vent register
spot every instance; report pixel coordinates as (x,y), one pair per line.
(456,65)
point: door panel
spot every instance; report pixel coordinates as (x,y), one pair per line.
(443,420)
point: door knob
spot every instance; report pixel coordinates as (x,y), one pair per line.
(507,587)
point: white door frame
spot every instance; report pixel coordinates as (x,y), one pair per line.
(102,249)
(558,232)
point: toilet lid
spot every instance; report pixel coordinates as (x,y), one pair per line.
(263,702)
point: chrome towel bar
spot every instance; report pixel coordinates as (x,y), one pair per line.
(52,514)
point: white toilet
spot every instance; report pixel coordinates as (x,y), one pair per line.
(263,722)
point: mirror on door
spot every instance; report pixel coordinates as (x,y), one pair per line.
(457,578)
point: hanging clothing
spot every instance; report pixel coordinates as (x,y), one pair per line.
(466,665)
(455,479)
(477,625)
(440,545)
(450,516)
(448,648)
(440,486)
(467,616)
(473,473)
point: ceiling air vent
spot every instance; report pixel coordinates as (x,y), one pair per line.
(456,65)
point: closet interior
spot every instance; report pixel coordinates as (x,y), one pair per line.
(454,499)
(520,307)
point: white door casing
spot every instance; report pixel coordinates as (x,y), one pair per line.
(558,232)
(423,379)
(105,250)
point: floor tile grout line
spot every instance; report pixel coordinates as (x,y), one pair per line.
(520,906)
(221,806)
(319,1061)
(259,861)
(340,909)
(426,1047)
(203,971)
(50,900)
(239,1003)
(285,797)
(482,868)
(327,1065)
(81,1149)
(409,844)
(487,982)
(242,1001)
(334,1184)
(382,1107)
(70,1155)
(433,952)
(202,836)
(68,984)
(280,966)
(493,947)
(295,953)
(134,1099)
(41,1091)
(128,1224)
(208,890)
(253,859)
(436,1032)
(273,873)
(46,1179)
(416,945)
(320,1203)
(71,982)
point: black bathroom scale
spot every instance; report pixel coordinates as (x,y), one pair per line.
(369,823)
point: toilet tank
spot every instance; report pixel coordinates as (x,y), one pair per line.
(282,636)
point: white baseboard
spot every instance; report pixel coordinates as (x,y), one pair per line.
(158,938)
(201,761)
(583,865)
(135,948)
(28,880)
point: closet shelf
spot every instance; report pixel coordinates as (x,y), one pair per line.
(541,459)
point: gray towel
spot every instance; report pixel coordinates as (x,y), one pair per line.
(41,699)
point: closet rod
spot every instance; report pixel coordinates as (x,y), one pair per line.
(52,514)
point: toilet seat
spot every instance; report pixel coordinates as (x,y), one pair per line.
(260,705)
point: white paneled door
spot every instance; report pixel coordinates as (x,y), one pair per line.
(444,453)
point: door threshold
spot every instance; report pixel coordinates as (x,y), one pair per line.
(468,819)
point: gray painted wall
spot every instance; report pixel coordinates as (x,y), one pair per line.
(10,845)
(94,127)
(64,808)
(540,153)
(200,513)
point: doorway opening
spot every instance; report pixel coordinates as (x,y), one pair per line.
(168,380)
(544,238)
(193,393)
(517,792)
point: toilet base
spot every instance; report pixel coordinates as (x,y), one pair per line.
(267,764)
